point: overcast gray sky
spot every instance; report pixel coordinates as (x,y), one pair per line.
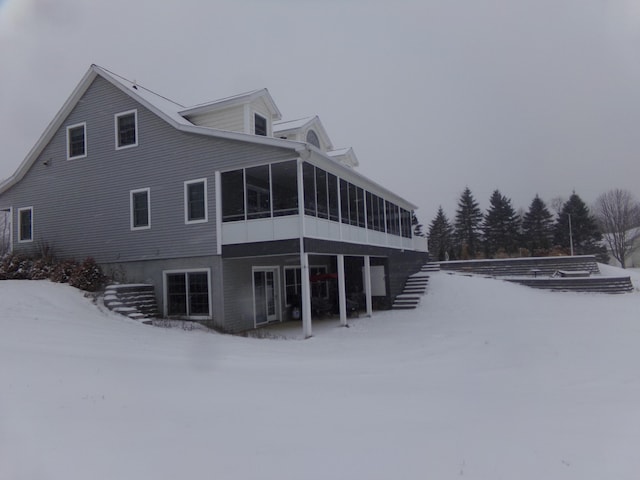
(529,96)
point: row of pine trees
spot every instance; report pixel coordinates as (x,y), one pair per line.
(500,232)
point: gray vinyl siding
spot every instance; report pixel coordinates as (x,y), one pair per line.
(238,295)
(81,207)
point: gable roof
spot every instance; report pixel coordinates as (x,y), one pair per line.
(171,112)
(346,155)
(234,100)
(280,128)
(166,109)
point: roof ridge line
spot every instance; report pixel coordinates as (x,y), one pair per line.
(137,85)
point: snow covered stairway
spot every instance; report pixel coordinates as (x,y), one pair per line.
(414,288)
(136,301)
(430,267)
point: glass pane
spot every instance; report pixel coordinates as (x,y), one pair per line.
(360,205)
(405,217)
(353,205)
(25,225)
(260,125)
(258,195)
(270,293)
(196,199)
(232,184)
(198,294)
(389,214)
(344,201)
(259,292)
(176,294)
(309,183)
(140,209)
(321,193)
(332,187)
(127,130)
(381,215)
(370,211)
(76,141)
(284,185)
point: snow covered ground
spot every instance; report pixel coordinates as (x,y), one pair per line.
(485,380)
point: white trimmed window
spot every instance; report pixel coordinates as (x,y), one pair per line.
(25,224)
(195,201)
(187,293)
(140,209)
(259,125)
(126,124)
(77,141)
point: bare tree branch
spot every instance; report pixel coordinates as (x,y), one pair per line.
(619,215)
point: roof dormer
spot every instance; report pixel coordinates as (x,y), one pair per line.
(252,112)
(346,156)
(308,130)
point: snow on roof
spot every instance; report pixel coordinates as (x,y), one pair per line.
(292,124)
(339,151)
(235,100)
(155,102)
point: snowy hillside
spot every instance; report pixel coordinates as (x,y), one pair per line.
(485,380)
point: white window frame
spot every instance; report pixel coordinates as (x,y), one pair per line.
(84,128)
(165,302)
(116,117)
(131,207)
(266,123)
(186,202)
(19,224)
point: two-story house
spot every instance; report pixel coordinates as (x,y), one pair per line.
(232,214)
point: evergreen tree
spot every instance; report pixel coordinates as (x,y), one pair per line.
(537,228)
(501,226)
(417,226)
(587,238)
(467,226)
(440,236)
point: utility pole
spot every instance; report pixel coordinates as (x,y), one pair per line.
(570,235)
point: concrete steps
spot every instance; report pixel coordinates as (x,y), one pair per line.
(136,301)
(524,266)
(414,288)
(579,284)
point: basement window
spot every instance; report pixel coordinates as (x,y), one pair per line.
(187,294)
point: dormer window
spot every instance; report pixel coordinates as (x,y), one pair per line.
(260,125)
(313,139)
